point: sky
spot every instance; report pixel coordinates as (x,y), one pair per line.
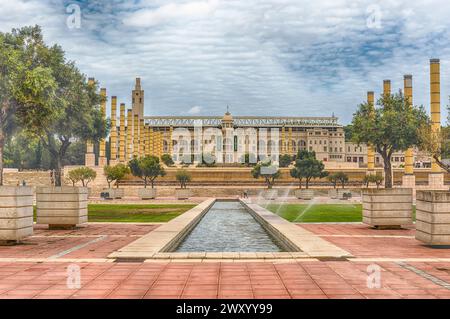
(260,57)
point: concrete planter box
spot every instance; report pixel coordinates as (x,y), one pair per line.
(16,213)
(333,193)
(270,194)
(343,194)
(147,193)
(433,217)
(387,208)
(183,193)
(114,193)
(306,194)
(62,207)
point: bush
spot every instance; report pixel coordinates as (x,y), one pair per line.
(85,175)
(147,168)
(167,160)
(183,177)
(115,173)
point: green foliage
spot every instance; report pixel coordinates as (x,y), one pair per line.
(392,127)
(307,167)
(377,179)
(341,178)
(268,171)
(285,160)
(115,173)
(348,132)
(167,160)
(147,168)
(249,159)
(183,177)
(85,175)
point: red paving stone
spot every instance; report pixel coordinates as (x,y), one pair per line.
(281,279)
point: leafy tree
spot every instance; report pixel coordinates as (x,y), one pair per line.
(70,113)
(285,160)
(268,171)
(366,180)
(307,167)
(437,144)
(392,127)
(342,178)
(167,160)
(348,132)
(377,179)
(183,177)
(147,168)
(115,173)
(332,178)
(26,86)
(83,174)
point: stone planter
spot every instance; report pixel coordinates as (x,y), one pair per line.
(147,193)
(183,193)
(387,208)
(433,217)
(62,207)
(305,194)
(16,213)
(333,193)
(114,193)
(343,194)
(270,194)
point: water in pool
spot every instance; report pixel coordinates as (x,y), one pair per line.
(228,227)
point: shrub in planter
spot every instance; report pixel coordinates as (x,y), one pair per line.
(115,173)
(183,177)
(148,169)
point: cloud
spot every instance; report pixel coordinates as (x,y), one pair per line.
(261,57)
(194,110)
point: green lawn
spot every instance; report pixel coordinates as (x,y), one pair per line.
(319,212)
(135,213)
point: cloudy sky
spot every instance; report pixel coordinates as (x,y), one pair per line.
(262,57)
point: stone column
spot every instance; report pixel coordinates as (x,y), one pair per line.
(136,136)
(436,178)
(147,141)
(290,141)
(122,146)
(89,157)
(102,145)
(152,141)
(387,92)
(129,135)
(113,140)
(370,148)
(171,141)
(141,138)
(283,141)
(408,180)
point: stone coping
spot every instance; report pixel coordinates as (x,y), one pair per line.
(294,235)
(158,243)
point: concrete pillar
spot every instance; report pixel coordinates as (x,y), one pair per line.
(283,141)
(122,146)
(171,140)
(129,155)
(370,148)
(387,92)
(136,135)
(152,141)
(290,141)
(89,157)
(147,141)
(436,178)
(141,138)
(102,145)
(408,180)
(113,140)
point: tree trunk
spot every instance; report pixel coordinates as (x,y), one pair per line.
(387,172)
(58,173)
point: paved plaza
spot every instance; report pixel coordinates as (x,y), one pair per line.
(38,268)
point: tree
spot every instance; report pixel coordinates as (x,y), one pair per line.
(285,160)
(183,177)
(392,127)
(332,178)
(437,144)
(308,167)
(342,178)
(268,171)
(83,174)
(167,160)
(26,87)
(115,173)
(147,168)
(71,113)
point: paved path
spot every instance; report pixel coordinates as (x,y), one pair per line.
(43,268)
